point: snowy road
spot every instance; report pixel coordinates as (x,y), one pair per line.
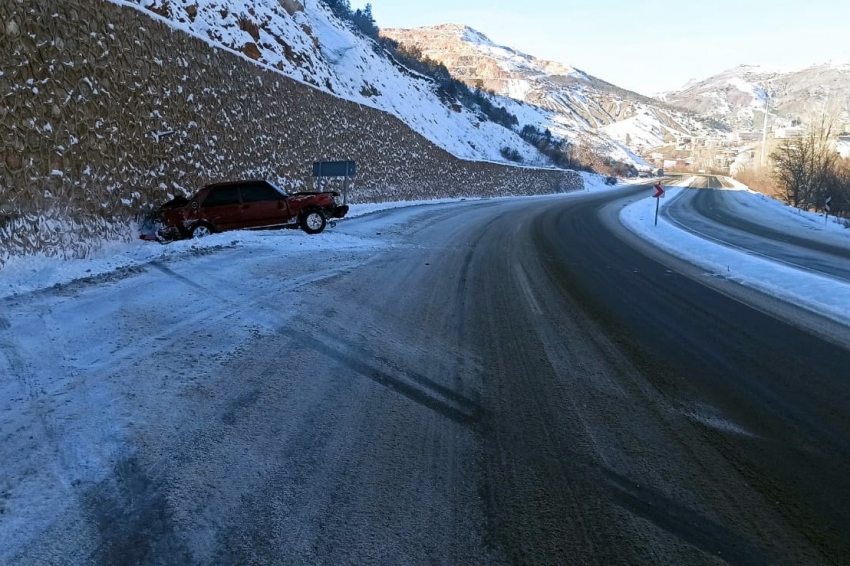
(495,382)
(722,215)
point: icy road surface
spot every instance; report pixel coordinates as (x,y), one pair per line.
(499,382)
(758,225)
(744,237)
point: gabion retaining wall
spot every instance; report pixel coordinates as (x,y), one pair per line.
(104,110)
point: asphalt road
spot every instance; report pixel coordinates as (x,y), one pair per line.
(507,382)
(703,211)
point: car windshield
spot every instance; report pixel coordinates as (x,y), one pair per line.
(278,189)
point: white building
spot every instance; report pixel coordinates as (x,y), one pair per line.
(742,161)
(749,136)
(789,132)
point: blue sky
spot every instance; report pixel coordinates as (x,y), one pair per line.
(649,46)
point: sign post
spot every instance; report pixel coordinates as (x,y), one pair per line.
(657,196)
(345,169)
(826,206)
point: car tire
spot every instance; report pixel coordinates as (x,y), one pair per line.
(201,230)
(313,221)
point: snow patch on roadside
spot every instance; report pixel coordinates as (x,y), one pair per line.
(28,274)
(364,209)
(710,417)
(814,292)
(761,209)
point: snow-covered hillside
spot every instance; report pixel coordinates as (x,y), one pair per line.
(306,42)
(580,102)
(644,129)
(737,96)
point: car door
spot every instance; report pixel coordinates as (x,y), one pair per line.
(222,208)
(262,205)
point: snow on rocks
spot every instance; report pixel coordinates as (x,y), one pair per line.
(312,46)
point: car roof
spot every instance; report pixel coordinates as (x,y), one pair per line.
(235,183)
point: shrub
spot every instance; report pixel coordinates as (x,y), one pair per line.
(511,154)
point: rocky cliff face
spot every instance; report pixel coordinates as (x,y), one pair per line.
(471,56)
(304,40)
(106,110)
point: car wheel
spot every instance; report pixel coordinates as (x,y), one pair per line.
(201,231)
(313,221)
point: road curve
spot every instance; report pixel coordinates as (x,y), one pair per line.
(507,383)
(703,212)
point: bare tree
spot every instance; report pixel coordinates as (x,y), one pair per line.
(839,189)
(568,149)
(805,167)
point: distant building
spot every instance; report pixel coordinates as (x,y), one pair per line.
(742,161)
(683,142)
(789,132)
(676,164)
(749,136)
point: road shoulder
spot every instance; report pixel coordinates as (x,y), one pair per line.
(773,298)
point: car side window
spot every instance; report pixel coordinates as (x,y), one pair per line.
(222,196)
(259,192)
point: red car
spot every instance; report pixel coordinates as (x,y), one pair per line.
(246,204)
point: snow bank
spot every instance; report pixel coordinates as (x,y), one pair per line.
(26,274)
(761,209)
(808,290)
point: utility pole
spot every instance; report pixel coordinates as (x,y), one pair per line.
(764,130)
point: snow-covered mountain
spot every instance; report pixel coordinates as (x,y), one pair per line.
(304,40)
(737,96)
(580,101)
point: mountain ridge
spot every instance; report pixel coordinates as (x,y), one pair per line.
(737,96)
(305,41)
(313,42)
(583,103)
